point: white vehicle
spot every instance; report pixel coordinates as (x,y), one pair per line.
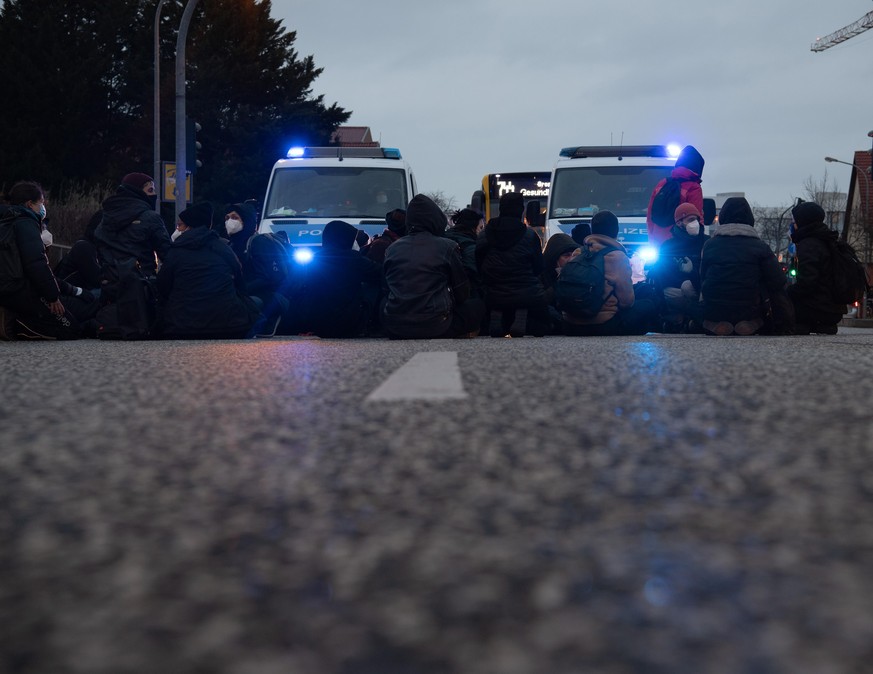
(588,179)
(315,185)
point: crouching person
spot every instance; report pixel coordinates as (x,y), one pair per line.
(334,295)
(742,284)
(425,286)
(201,284)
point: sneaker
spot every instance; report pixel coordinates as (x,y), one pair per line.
(7,325)
(746,328)
(519,323)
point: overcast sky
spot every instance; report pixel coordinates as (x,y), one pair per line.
(469,87)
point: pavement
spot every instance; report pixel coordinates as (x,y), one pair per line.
(660,504)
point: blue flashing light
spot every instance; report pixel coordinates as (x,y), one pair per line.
(674,149)
(391,153)
(303,255)
(295,152)
(648,254)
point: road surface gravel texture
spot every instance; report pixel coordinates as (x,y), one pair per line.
(658,504)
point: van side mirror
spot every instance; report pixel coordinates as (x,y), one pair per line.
(708,211)
(532,213)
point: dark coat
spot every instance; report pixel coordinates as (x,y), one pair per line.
(738,270)
(466,240)
(667,272)
(510,262)
(423,276)
(375,250)
(330,295)
(38,276)
(812,292)
(266,265)
(202,288)
(131,229)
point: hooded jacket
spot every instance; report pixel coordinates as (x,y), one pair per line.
(510,261)
(423,276)
(813,289)
(557,245)
(37,273)
(131,229)
(618,289)
(201,285)
(239,241)
(688,170)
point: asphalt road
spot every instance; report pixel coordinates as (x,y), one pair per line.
(558,505)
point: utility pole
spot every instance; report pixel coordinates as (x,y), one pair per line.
(157,111)
(181,159)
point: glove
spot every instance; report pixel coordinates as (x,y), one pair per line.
(686,266)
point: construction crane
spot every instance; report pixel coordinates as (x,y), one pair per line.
(843,34)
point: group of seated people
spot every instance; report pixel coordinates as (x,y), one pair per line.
(419,279)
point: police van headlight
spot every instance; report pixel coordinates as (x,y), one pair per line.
(302,255)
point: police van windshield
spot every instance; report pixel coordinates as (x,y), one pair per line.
(624,190)
(336,192)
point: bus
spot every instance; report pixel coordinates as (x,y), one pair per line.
(533,186)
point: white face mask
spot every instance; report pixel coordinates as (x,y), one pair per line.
(175,235)
(46,238)
(692,228)
(232,225)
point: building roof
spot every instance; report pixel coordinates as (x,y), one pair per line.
(353,136)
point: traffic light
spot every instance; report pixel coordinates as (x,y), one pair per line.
(192,146)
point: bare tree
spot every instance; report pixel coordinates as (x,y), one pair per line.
(441,199)
(826,193)
(772,223)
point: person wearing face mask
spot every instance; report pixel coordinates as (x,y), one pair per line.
(676,274)
(30,299)
(130,227)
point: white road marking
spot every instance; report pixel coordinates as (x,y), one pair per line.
(429,375)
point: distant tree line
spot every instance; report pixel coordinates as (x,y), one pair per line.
(77,83)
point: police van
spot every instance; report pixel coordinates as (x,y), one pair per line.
(588,179)
(314,185)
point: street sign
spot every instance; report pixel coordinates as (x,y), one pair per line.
(169,183)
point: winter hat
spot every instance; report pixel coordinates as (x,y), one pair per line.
(136,180)
(198,215)
(246,212)
(691,159)
(396,221)
(423,215)
(605,223)
(736,210)
(684,210)
(807,213)
(339,235)
(511,205)
(466,219)
(579,232)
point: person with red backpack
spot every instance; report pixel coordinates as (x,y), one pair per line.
(682,187)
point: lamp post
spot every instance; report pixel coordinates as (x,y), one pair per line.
(157,109)
(181,159)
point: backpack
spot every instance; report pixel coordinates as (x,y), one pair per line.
(131,311)
(267,259)
(666,202)
(10,257)
(580,285)
(850,276)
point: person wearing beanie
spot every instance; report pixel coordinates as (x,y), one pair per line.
(336,293)
(240,223)
(396,227)
(129,226)
(688,172)
(621,313)
(580,232)
(811,294)
(426,292)
(201,284)
(510,261)
(676,274)
(742,285)
(467,223)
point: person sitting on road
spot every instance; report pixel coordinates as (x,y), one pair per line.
(396,227)
(130,227)
(201,284)
(30,299)
(336,293)
(676,274)
(240,223)
(814,307)
(560,249)
(468,223)
(740,279)
(509,257)
(426,292)
(620,313)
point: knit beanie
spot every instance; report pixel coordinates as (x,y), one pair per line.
(198,215)
(736,210)
(136,180)
(807,213)
(684,210)
(396,221)
(338,234)
(605,223)
(579,232)
(511,205)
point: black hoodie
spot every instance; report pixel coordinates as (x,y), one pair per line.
(510,261)
(130,228)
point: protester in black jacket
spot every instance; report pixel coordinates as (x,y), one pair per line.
(130,227)
(467,225)
(741,280)
(510,261)
(812,292)
(336,292)
(201,284)
(396,221)
(30,304)
(425,287)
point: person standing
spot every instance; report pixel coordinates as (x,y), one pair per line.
(688,174)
